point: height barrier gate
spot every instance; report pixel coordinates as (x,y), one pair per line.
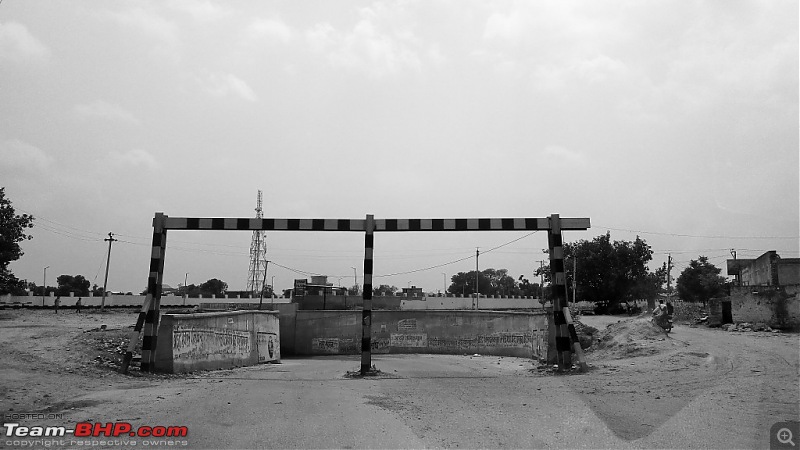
(150,313)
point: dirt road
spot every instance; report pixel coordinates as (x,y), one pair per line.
(696,388)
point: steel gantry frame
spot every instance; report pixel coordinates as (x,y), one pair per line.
(564,339)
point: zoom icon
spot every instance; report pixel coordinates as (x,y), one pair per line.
(783,435)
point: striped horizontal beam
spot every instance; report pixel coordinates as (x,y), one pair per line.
(485,224)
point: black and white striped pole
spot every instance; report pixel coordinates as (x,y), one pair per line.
(366,313)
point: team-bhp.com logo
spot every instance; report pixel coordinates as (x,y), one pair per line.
(88,429)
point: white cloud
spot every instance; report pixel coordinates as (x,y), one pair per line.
(271,29)
(379,43)
(557,155)
(105,111)
(18,156)
(223,85)
(164,32)
(504,26)
(148,23)
(136,158)
(201,11)
(17,44)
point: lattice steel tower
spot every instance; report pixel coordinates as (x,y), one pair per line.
(258,256)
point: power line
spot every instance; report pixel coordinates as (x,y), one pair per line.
(453,262)
(695,235)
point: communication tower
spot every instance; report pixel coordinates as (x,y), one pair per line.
(258,256)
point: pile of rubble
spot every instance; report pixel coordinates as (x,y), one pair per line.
(747,326)
(586,334)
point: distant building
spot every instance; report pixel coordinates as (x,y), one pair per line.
(413,291)
(768,269)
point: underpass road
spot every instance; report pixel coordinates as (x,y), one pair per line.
(715,390)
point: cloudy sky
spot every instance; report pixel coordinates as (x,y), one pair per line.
(673,120)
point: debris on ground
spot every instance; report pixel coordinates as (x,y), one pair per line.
(552,369)
(586,334)
(638,336)
(372,372)
(747,326)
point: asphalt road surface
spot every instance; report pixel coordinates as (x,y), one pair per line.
(716,390)
(696,388)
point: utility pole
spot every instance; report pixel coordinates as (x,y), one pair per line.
(355,278)
(44,284)
(738,274)
(185,288)
(477,254)
(263,284)
(110,239)
(444,283)
(541,278)
(574,278)
(669,279)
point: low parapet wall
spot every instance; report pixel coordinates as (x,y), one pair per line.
(522,334)
(218,340)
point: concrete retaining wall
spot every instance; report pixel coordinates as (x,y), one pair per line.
(127,301)
(776,306)
(219,340)
(522,334)
(468,303)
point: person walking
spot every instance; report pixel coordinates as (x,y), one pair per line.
(57,303)
(78,305)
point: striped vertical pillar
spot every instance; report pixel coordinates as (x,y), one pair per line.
(135,334)
(366,313)
(154,279)
(555,243)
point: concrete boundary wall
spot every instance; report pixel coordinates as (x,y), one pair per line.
(522,334)
(483,303)
(776,306)
(128,301)
(218,340)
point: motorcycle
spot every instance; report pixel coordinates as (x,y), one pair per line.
(663,319)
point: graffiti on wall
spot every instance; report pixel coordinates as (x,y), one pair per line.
(269,347)
(408,340)
(325,345)
(334,345)
(195,342)
(407,325)
(495,340)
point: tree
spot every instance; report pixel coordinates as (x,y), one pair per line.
(609,271)
(700,281)
(490,282)
(384,290)
(527,289)
(213,287)
(77,285)
(12,232)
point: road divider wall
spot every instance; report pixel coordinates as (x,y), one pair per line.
(217,340)
(522,334)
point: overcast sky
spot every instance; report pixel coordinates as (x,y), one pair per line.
(673,120)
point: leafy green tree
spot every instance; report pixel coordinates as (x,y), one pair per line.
(384,290)
(76,284)
(490,282)
(609,271)
(213,287)
(97,291)
(12,232)
(527,289)
(700,281)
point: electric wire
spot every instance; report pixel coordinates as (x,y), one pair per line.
(695,235)
(93,236)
